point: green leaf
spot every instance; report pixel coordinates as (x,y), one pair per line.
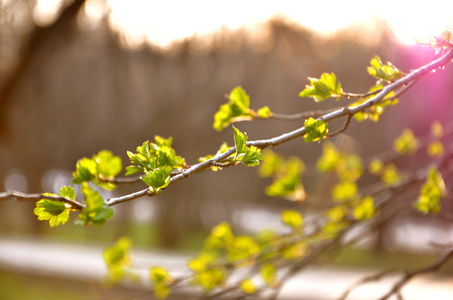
(374,111)
(242,247)
(287,184)
(315,130)
(376,166)
(252,157)
(347,166)
(337,213)
(431,192)
(292,219)
(406,143)
(68,192)
(107,164)
(117,259)
(96,211)
(272,163)
(224,147)
(249,156)
(365,209)
(268,274)
(203,261)
(54,211)
(97,169)
(330,158)
(237,108)
(158,179)
(264,112)
(210,278)
(248,286)
(390,175)
(221,237)
(385,72)
(240,140)
(86,170)
(153,156)
(324,87)
(344,190)
(118,254)
(332,229)
(161,280)
(163,142)
(296,251)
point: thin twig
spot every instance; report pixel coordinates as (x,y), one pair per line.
(396,289)
(36,197)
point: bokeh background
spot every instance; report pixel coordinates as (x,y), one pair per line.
(77,77)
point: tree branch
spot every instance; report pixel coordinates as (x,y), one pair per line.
(36,197)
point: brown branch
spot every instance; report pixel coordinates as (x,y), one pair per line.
(36,197)
(345,125)
(396,290)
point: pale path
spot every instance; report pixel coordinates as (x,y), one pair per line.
(85,262)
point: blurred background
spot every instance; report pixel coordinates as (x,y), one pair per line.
(77,77)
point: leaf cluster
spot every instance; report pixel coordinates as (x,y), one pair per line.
(98,169)
(324,87)
(316,130)
(157,160)
(238,109)
(431,192)
(286,175)
(96,211)
(249,156)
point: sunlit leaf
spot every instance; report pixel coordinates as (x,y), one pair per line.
(54,211)
(272,163)
(344,190)
(386,72)
(406,143)
(376,166)
(249,156)
(210,278)
(117,258)
(390,175)
(292,219)
(221,236)
(242,247)
(269,274)
(158,178)
(264,112)
(364,210)
(315,130)
(431,192)
(329,159)
(237,107)
(324,87)
(248,286)
(96,211)
(296,251)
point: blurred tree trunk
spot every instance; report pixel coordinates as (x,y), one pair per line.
(37,38)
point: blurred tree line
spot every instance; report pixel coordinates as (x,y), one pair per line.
(68,90)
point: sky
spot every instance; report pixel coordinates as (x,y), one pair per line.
(163,22)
